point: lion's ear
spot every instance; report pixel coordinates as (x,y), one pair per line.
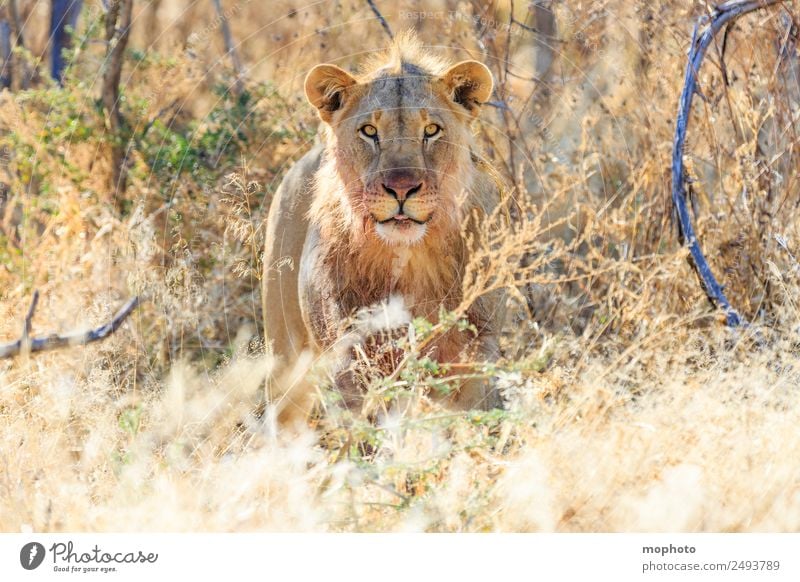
(470,84)
(325,86)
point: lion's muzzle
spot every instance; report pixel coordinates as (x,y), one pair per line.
(401,211)
(402,199)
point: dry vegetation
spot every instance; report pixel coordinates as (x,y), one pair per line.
(629,405)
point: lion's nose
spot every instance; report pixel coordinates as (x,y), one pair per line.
(401,190)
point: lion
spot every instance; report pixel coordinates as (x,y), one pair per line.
(377,210)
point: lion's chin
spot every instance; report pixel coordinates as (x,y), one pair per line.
(405,232)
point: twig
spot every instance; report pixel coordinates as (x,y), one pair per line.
(498,105)
(20,66)
(5,55)
(28,344)
(380,18)
(404,498)
(157,116)
(788,44)
(722,50)
(722,15)
(118,26)
(20,39)
(230,49)
(533,79)
(26,331)
(524,26)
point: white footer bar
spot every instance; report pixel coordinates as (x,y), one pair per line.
(402,557)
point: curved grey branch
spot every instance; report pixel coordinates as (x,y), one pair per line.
(30,344)
(722,15)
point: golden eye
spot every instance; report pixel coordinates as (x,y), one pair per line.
(432,129)
(369,130)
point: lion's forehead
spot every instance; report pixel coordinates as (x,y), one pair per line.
(402,96)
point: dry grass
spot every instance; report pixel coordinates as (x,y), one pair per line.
(629,406)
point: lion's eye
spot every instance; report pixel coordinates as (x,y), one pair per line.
(432,129)
(369,130)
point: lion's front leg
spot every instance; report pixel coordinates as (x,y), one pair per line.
(294,394)
(477,392)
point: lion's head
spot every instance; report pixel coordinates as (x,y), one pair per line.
(400,138)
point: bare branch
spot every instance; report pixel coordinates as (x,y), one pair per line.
(533,79)
(5,55)
(26,331)
(19,40)
(546,54)
(230,49)
(118,25)
(720,17)
(21,69)
(499,105)
(524,26)
(380,18)
(64,15)
(27,344)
